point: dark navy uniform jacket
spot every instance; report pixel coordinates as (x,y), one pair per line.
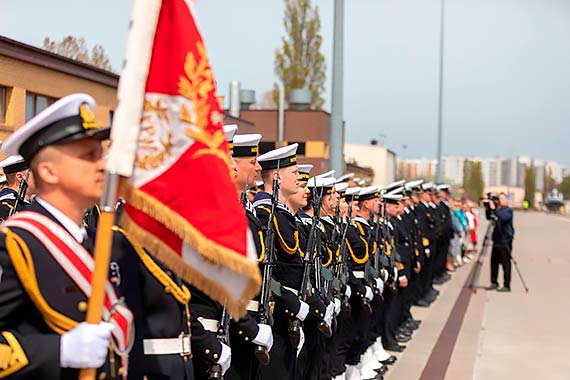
(8,201)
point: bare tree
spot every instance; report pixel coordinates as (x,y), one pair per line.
(76,48)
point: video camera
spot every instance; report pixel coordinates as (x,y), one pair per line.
(490,211)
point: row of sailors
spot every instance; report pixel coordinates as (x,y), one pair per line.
(334,312)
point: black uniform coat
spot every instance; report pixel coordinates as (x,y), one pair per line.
(34,343)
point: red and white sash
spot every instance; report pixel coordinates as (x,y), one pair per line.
(78,264)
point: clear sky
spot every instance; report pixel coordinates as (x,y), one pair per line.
(506,71)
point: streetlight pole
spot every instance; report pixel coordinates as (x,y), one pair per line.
(336,126)
(440,110)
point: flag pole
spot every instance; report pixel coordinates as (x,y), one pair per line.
(102,257)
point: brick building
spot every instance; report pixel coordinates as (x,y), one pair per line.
(32,78)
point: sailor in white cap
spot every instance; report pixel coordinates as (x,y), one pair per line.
(246,333)
(63,148)
(300,200)
(279,168)
(16,175)
(245,152)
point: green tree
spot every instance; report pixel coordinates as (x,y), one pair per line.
(300,63)
(565,187)
(549,183)
(76,48)
(473,184)
(529,184)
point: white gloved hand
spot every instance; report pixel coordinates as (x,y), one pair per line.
(225,358)
(385,275)
(301,341)
(336,306)
(348,292)
(395,272)
(329,313)
(85,346)
(264,336)
(380,285)
(303,311)
(369,295)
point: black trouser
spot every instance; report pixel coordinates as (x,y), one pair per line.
(501,254)
(391,318)
(361,318)
(342,340)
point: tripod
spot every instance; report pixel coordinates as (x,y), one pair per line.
(487,242)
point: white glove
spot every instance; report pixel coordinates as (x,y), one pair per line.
(264,336)
(369,295)
(395,272)
(301,341)
(380,285)
(336,306)
(225,358)
(303,311)
(85,346)
(329,313)
(385,275)
(348,292)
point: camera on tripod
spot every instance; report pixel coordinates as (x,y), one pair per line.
(492,199)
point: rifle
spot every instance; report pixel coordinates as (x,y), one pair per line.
(392,281)
(264,315)
(367,266)
(334,283)
(222,334)
(311,246)
(22,190)
(342,267)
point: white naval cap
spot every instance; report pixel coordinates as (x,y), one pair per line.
(279,158)
(68,119)
(443,187)
(413,185)
(394,185)
(397,190)
(352,193)
(305,171)
(369,192)
(392,198)
(329,174)
(341,187)
(427,186)
(230,130)
(13,164)
(3,179)
(345,177)
(321,182)
(246,145)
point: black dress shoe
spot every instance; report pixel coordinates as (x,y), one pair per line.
(391,360)
(504,289)
(402,338)
(411,326)
(382,370)
(405,333)
(492,287)
(422,303)
(395,348)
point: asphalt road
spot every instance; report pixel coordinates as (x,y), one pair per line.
(501,336)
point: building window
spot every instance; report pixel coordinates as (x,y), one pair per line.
(3,103)
(36,103)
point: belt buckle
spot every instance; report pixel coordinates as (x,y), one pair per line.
(186,348)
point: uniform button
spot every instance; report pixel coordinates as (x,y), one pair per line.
(317,311)
(246,339)
(82,306)
(240,332)
(121,371)
(167,290)
(286,311)
(207,351)
(216,356)
(102,376)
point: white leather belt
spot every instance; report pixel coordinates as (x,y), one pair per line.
(253,306)
(294,291)
(209,324)
(358,273)
(179,346)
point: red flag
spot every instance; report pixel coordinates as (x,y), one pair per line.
(181,196)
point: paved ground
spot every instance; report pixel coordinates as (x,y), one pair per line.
(504,336)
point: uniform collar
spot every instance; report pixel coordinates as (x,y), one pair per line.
(79,233)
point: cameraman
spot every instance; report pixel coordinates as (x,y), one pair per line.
(503,235)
